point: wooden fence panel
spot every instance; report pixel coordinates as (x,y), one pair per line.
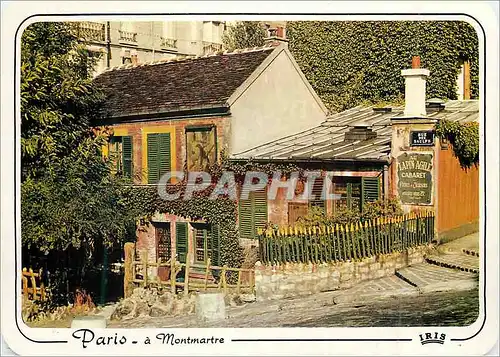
(345,242)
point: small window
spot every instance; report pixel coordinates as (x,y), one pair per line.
(206,243)
(163,242)
(121,154)
(354,192)
(348,190)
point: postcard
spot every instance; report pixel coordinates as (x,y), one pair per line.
(224,178)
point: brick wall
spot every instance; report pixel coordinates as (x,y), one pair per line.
(177,126)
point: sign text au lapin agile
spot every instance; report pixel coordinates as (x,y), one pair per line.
(415,178)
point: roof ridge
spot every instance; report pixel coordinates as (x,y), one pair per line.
(181,58)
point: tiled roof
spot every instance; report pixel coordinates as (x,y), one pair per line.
(178,84)
(326,141)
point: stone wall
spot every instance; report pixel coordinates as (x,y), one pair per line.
(296,279)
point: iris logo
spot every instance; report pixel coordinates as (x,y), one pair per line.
(430,337)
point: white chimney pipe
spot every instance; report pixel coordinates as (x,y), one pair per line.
(415,79)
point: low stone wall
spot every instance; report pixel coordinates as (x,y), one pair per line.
(296,279)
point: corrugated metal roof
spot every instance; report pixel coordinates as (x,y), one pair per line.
(326,141)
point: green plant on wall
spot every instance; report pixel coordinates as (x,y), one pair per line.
(221,211)
(464,138)
(350,62)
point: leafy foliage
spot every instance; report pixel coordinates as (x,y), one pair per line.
(244,34)
(69,199)
(221,211)
(349,62)
(464,138)
(380,208)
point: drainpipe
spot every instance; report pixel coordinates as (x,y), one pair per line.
(386,182)
(108,44)
(152,41)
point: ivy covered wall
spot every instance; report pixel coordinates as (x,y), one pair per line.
(351,62)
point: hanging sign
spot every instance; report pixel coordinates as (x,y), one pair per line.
(415,178)
(422,138)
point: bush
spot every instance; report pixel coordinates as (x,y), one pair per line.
(380,208)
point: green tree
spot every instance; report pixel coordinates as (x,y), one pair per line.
(70,201)
(351,62)
(244,34)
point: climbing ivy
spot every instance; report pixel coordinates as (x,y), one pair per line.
(221,211)
(349,62)
(464,138)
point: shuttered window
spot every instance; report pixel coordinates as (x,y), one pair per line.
(370,189)
(181,241)
(127,156)
(252,214)
(159,156)
(215,244)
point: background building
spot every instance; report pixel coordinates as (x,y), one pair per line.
(139,42)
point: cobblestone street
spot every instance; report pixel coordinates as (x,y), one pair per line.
(437,309)
(390,301)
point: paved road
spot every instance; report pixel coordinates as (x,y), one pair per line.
(430,309)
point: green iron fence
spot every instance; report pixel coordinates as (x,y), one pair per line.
(345,242)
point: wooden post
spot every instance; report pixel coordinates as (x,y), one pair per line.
(186,275)
(42,285)
(33,283)
(173,275)
(223,279)
(129,269)
(144,261)
(467,81)
(206,273)
(238,284)
(25,284)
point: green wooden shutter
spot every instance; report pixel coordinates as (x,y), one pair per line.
(127,156)
(214,244)
(153,162)
(259,210)
(245,218)
(181,241)
(370,189)
(164,157)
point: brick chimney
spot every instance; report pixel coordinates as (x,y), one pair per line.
(133,57)
(415,80)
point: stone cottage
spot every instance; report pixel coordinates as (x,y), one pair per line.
(181,113)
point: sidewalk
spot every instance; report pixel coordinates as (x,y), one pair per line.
(461,254)
(470,243)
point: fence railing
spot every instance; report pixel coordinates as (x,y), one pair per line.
(92,31)
(225,279)
(33,287)
(211,47)
(345,242)
(127,36)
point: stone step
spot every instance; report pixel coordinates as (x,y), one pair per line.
(421,275)
(463,262)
